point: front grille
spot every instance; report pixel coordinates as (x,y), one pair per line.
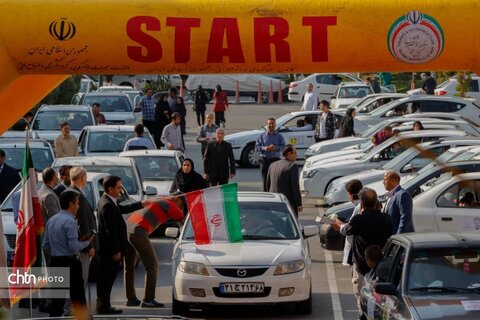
(265,293)
(243,273)
(11,240)
(115,122)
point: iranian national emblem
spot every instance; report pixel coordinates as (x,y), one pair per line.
(415,38)
(62,30)
(216,220)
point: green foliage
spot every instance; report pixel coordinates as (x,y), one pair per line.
(161,84)
(464,78)
(64,92)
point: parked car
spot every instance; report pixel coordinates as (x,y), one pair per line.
(247,84)
(115,106)
(324,84)
(41,151)
(441,209)
(425,276)
(47,120)
(348,93)
(260,269)
(243,143)
(448,88)
(108,140)
(467,108)
(373,101)
(156,167)
(412,160)
(123,167)
(315,180)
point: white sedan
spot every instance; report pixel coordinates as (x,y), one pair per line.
(272,264)
(243,143)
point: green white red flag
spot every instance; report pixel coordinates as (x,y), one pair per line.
(28,248)
(215,214)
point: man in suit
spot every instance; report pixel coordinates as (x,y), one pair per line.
(112,236)
(282,177)
(218,160)
(48,198)
(87,223)
(64,179)
(9,177)
(24,122)
(399,205)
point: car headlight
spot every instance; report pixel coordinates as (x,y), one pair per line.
(130,120)
(307,164)
(193,268)
(335,187)
(289,267)
(312,150)
(309,173)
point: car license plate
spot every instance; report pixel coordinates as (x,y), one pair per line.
(242,287)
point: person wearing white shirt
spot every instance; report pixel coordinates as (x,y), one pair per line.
(353,188)
(309,99)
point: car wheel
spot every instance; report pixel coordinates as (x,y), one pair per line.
(304,307)
(250,156)
(179,308)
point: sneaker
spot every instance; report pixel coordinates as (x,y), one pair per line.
(133,302)
(151,304)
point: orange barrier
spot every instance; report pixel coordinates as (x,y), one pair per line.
(259,95)
(237,94)
(280,93)
(270,94)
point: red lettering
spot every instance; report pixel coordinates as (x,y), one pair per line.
(319,36)
(264,39)
(183,27)
(150,44)
(227,27)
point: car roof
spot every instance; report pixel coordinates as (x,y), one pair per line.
(150,152)
(432,240)
(258,196)
(106,94)
(353,84)
(69,107)
(93,161)
(111,127)
(422,133)
(433,97)
(20,142)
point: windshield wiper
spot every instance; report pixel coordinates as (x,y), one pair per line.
(445,289)
(258,237)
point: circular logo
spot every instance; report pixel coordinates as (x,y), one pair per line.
(62,30)
(216,220)
(241,272)
(415,38)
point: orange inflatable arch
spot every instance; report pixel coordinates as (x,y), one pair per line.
(42,42)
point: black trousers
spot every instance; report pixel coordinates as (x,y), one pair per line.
(200,117)
(108,270)
(77,291)
(151,126)
(264,165)
(219,117)
(215,181)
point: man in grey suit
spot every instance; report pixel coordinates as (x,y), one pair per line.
(399,205)
(282,177)
(47,196)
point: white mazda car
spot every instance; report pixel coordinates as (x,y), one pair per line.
(272,265)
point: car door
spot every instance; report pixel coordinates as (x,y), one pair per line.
(451,215)
(474,91)
(325,85)
(293,135)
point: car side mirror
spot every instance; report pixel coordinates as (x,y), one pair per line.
(377,158)
(150,191)
(309,231)
(171,232)
(408,168)
(387,288)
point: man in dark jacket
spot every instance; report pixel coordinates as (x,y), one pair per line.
(370,227)
(9,177)
(429,84)
(282,177)
(346,128)
(218,160)
(325,128)
(200,105)
(399,205)
(112,236)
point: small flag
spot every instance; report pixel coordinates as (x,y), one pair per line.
(215,214)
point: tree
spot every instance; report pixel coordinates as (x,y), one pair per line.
(464,78)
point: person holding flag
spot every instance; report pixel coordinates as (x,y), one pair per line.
(140,225)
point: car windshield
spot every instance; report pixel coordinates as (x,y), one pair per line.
(42,157)
(127,175)
(51,119)
(109,141)
(261,221)
(156,168)
(446,270)
(280,121)
(110,104)
(385,108)
(354,92)
(373,129)
(391,165)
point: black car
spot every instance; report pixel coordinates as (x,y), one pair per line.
(425,276)
(332,240)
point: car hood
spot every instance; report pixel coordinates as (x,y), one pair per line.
(244,135)
(246,253)
(378,186)
(332,157)
(336,163)
(446,306)
(128,117)
(336,144)
(163,187)
(366,177)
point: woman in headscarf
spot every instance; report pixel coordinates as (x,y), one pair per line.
(187,179)
(417,125)
(346,124)
(162,118)
(183,112)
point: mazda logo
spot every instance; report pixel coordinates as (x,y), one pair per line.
(62,30)
(241,272)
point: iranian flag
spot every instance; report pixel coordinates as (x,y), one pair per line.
(28,248)
(215,214)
